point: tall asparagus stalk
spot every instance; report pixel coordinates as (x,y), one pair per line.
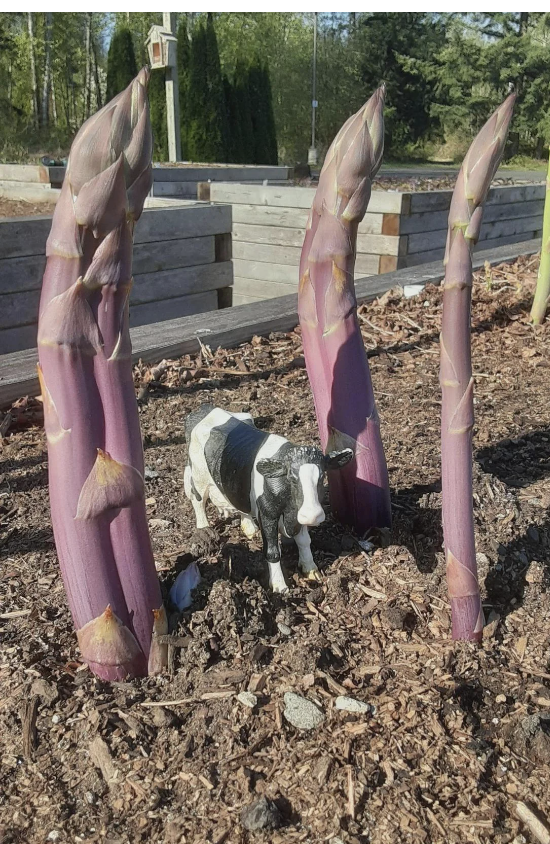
(542,293)
(457,385)
(94,442)
(333,347)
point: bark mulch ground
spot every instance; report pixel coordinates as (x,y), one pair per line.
(21,208)
(455,735)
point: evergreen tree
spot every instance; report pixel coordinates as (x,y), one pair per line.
(259,109)
(272,153)
(235,146)
(184,60)
(197,96)
(121,62)
(216,116)
(157,103)
(244,113)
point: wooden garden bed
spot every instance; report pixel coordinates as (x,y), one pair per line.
(399,230)
(182,266)
(229,327)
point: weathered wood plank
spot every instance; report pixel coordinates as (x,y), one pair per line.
(290,256)
(434,220)
(440,200)
(29,192)
(18,274)
(227,173)
(174,223)
(382,202)
(20,236)
(153,287)
(19,339)
(424,241)
(263,289)
(282,273)
(170,254)
(24,173)
(170,309)
(502,228)
(294,218)
(274,235)
(232,326)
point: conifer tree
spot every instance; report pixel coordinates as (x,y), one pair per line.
(272,153)
(121,62)
(184,60)
(198,95)
(216,117)
(244,112)
(235,145)
(260,123)
(157,104)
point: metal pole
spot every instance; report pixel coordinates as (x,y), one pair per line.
(172,97)
(312,153)
(314,85)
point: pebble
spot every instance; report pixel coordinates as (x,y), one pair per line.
(262,814)
(284,629)
(150,474)
(302,713)
(247,699)
(349,704)
(159,523)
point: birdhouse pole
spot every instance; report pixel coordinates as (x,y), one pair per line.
(172,94)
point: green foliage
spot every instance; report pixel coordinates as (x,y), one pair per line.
(121,62)
(198,96)
(265,143)
(183,59)
(244,143)
(157,103)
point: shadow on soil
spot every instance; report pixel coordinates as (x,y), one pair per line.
(520,461)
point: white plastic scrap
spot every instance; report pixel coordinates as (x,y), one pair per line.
(185,582)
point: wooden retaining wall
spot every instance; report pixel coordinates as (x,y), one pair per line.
(182,266)
(230,327)
(399,230)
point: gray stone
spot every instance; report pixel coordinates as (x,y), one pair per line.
(150,474)
(262,814)
(284,629)
(350,704)
(302,713)
(247,699)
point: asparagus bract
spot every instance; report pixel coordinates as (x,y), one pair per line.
(335,355)
(457,384)
(95,452)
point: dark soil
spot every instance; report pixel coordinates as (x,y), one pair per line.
(459,733)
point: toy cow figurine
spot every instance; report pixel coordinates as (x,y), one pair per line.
(262,476)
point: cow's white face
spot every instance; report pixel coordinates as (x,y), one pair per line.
(311,512)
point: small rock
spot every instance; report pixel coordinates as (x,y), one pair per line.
(47,691)
(366,546)
(163,717)
(302,713)
(284,629)
(262,814)
(53,835)
(247,699)
(150,474)
(350,704)
(159,523)
(533,534)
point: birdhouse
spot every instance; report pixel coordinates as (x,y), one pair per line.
(161,46)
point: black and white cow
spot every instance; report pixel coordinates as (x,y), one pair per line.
(262,476)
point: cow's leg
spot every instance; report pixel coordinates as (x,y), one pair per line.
(272,553)
(248,527)
(197,500)
(305,557)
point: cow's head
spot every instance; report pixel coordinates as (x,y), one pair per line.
(304,468)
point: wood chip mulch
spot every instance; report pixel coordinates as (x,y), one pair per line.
(456,744)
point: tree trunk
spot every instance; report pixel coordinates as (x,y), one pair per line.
(88,80)
(45,100)
(98,97)
(34,86)
(54,103)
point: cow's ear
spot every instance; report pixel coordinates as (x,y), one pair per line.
(338,459)
(271,468)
